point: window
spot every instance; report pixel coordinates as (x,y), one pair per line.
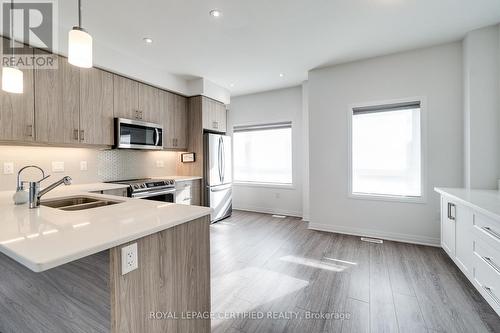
(263,153)
(386,151)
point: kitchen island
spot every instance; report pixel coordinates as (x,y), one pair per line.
(61,271)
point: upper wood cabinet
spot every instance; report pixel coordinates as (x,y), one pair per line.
(17,111)
(57,103)
(135,100)
(96,107)
(214,115)
(175,122)
(150,103)
(126,97)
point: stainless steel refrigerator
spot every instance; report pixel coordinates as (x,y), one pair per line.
(218,175)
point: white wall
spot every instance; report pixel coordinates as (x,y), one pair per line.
(305,146)
(268,107)
(435,73)
(482,107)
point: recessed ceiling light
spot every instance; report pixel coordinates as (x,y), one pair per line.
(281,74)
(215,13)
(147,40)
(231,85)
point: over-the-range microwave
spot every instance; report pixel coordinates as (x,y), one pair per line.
(135,134)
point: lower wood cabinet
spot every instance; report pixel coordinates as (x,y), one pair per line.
(472,240)
(188,192)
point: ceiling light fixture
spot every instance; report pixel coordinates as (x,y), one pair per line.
(12,77)
(215,13)
(148,40)
(231,85)
(79,44)
(282,75)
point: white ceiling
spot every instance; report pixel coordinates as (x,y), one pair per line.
(256,40)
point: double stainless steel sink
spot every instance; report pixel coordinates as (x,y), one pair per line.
(78,203)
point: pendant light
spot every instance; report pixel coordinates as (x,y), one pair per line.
(79,44)
(12,77)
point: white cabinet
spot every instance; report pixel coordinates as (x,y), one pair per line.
(188,192)
(472,240)
(448,218)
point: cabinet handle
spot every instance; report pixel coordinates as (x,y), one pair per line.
(491,232)
(215,124)
(29,130)
(82,135)
(75,134)
(493,264)
(489,290)
(450,207)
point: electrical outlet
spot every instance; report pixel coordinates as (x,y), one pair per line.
(8,168)
(160,164)
(57,166)
(129,258)
(83,165)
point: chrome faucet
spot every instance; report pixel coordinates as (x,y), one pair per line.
(20,183)
(35,194)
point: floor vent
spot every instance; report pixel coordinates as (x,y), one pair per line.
(279,216)
(372,240)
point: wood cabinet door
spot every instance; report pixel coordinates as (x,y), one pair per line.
(125,97)
(150,103)
(214,115)
(167,119)
(57,103)
(181,122)
(96,107)
(220,117)
(17,110)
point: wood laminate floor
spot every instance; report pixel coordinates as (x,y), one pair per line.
(275,275)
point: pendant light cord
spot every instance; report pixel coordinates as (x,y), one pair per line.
(12,41)
(80,14)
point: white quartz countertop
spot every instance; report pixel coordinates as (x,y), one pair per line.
(45,237)
(486,202)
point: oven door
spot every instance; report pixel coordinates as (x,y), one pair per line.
(133,134)
(167,195)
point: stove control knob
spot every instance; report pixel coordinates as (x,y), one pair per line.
(135,186)
(171,182)
(143,185)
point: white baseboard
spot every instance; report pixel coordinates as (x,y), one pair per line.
(266,210)
(405,238)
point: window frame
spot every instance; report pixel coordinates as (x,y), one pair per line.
(423,152)
(284,186)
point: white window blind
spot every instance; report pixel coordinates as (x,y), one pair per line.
(386,150)
(263,153)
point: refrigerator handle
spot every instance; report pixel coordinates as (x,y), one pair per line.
(223,159)
(220,162)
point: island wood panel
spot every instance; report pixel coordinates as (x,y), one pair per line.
(57,101)
(173,277)
(74,297)
(96,107)
(17,111)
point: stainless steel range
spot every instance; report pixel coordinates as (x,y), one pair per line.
(150,189)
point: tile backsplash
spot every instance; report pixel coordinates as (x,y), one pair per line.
(100,165)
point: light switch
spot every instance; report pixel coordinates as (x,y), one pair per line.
(83,165)
(57,166)
(8,168)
